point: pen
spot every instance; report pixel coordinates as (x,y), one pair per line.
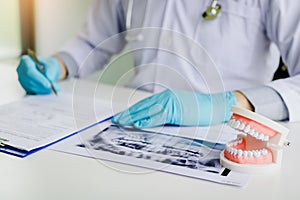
(31,53)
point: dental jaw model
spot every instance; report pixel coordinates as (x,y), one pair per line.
(258,146)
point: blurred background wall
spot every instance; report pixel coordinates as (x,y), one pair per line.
(56,21)
(10,41)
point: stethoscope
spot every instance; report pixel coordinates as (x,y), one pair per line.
(139,36)
(211,13)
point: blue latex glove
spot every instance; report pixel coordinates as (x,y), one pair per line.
(32,79)
(178,108)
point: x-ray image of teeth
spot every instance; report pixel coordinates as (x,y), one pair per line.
(174,150)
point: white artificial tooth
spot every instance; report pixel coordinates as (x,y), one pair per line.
(234,151)
(266,138)
(247,129)
(239,153)
(231,122)
(264,152)
(240,141)
(255,135)
(242,126)
(259,153)
(245,154)
(227,148)
(236,124)
(256,154)
(251,132)
(250,153)
(231,150)
(261,136)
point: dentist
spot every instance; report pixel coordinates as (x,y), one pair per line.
(240,42)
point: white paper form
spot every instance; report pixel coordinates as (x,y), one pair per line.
(169,152)
(36,121)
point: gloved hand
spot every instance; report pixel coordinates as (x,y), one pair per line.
(181,108)
(33,80)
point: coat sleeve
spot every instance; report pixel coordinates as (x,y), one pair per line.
(100,38)
(282,21)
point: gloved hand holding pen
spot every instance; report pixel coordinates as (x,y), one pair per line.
(181,108)
(35,81)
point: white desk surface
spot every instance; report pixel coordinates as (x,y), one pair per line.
(53,175)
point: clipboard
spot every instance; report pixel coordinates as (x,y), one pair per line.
(22,153)
(41,121)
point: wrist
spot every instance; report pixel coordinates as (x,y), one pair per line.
(242,101)
(63,68)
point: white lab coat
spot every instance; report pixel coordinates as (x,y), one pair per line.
(238,50)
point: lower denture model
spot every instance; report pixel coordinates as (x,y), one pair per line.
(258,146)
